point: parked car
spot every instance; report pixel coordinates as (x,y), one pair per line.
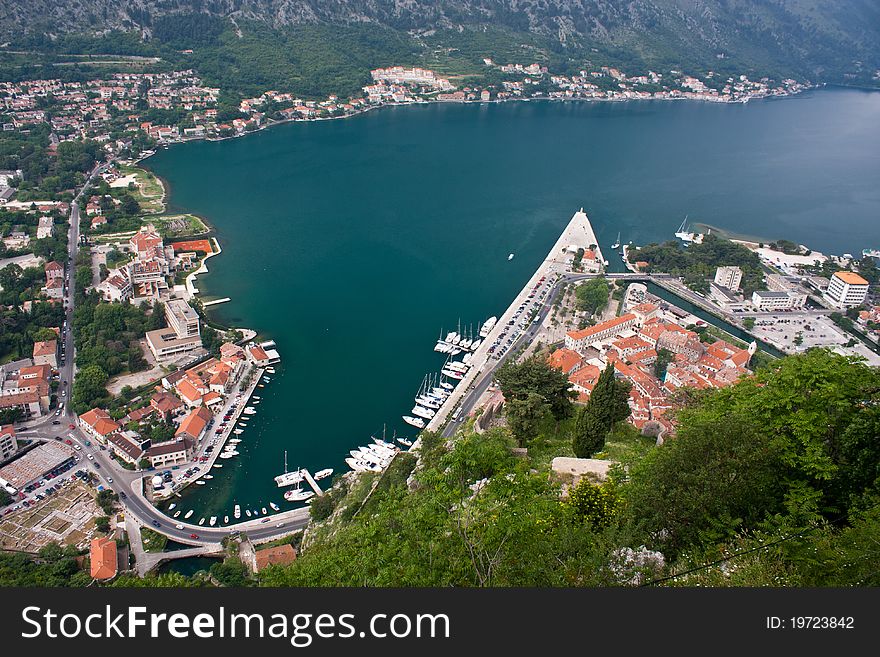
(156,523)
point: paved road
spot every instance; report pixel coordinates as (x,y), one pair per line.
(111,475)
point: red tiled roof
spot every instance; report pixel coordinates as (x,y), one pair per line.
(102,557)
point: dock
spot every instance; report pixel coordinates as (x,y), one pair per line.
(215,301)
(577,234)
(311,481)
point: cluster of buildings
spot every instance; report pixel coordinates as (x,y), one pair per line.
(611,84)
(845,289)
(187,399)
(89,110)
(26,384)
(631,342)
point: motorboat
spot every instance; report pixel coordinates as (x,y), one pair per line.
(487,326)
(209,476)
(361,466)
(274,506)
(414,421)
(263,511)
(247,512)
(509,257)
(237,511)
(213,521)
(225,520)
(188,514)
(202,521)
(405,441)
(177,513)
(171,506)
(200,483)
(322,474)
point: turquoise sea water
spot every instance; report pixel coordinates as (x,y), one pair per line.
(352,242)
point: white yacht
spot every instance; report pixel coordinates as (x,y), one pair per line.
(405,441)
(427,402)
(446,386)
(250,410)
(274,506)
(362,466)
(188,514)
(177,513)
(298,495)
(421,411)
(616,244)
(487,326)
(476,344)
(322,474)
(288,478)
(213,521)
(225,520)
(171,506)
(263,511)
(202,521)
(247,512)
(509,256)
(237,511)
(414,421)
(451,374)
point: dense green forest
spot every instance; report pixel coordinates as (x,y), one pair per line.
(697,262)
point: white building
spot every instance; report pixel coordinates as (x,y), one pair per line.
(45,228)
(772,300)
(729,277)
(8,444)
(846,289)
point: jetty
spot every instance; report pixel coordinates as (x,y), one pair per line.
(578,234)
(311,482)
(215,301)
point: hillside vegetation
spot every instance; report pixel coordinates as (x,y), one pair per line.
(329,46)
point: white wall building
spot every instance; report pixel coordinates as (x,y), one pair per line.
(729,277)
(846,289)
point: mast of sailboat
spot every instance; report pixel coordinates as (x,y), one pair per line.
(285,461)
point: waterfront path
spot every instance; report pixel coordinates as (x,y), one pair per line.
(577,234)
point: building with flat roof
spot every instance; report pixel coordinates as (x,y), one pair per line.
(771,300)
(182,318)
(166,344)
(34,464)
(846,289)
(729,277)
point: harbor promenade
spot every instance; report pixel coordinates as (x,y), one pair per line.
(577,234)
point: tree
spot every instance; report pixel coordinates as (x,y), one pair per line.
(592,296)
(102,524)
(535,375)
(589,434)
(592,504)
(609,399)
(748,323)
(524,416)
(89,387)
(664,357)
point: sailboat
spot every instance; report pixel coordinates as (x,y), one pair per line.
(616,244)
(288,478)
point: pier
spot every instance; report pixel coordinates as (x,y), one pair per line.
(577,234)
(311,481)
(215,302)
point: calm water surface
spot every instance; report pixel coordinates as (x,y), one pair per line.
(352,242)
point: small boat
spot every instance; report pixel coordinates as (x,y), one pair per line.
(171,506)
(238,432)
(260,385)
(321,474)
(202,521)
(177,513)
(256,401)
(225,520)
(248,512)
(255,397)
(298,495)
(405,441)
(263,510)
(200,483)
(208,477)
(270,370)
(213,521)
(216,465)
(274,506)
(188,514)
(616,244)
(237,512)
(510,257)
(414,421)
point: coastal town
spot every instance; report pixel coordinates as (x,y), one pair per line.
(109,413)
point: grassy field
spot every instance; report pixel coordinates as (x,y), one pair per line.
(153,541)
(148,191)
